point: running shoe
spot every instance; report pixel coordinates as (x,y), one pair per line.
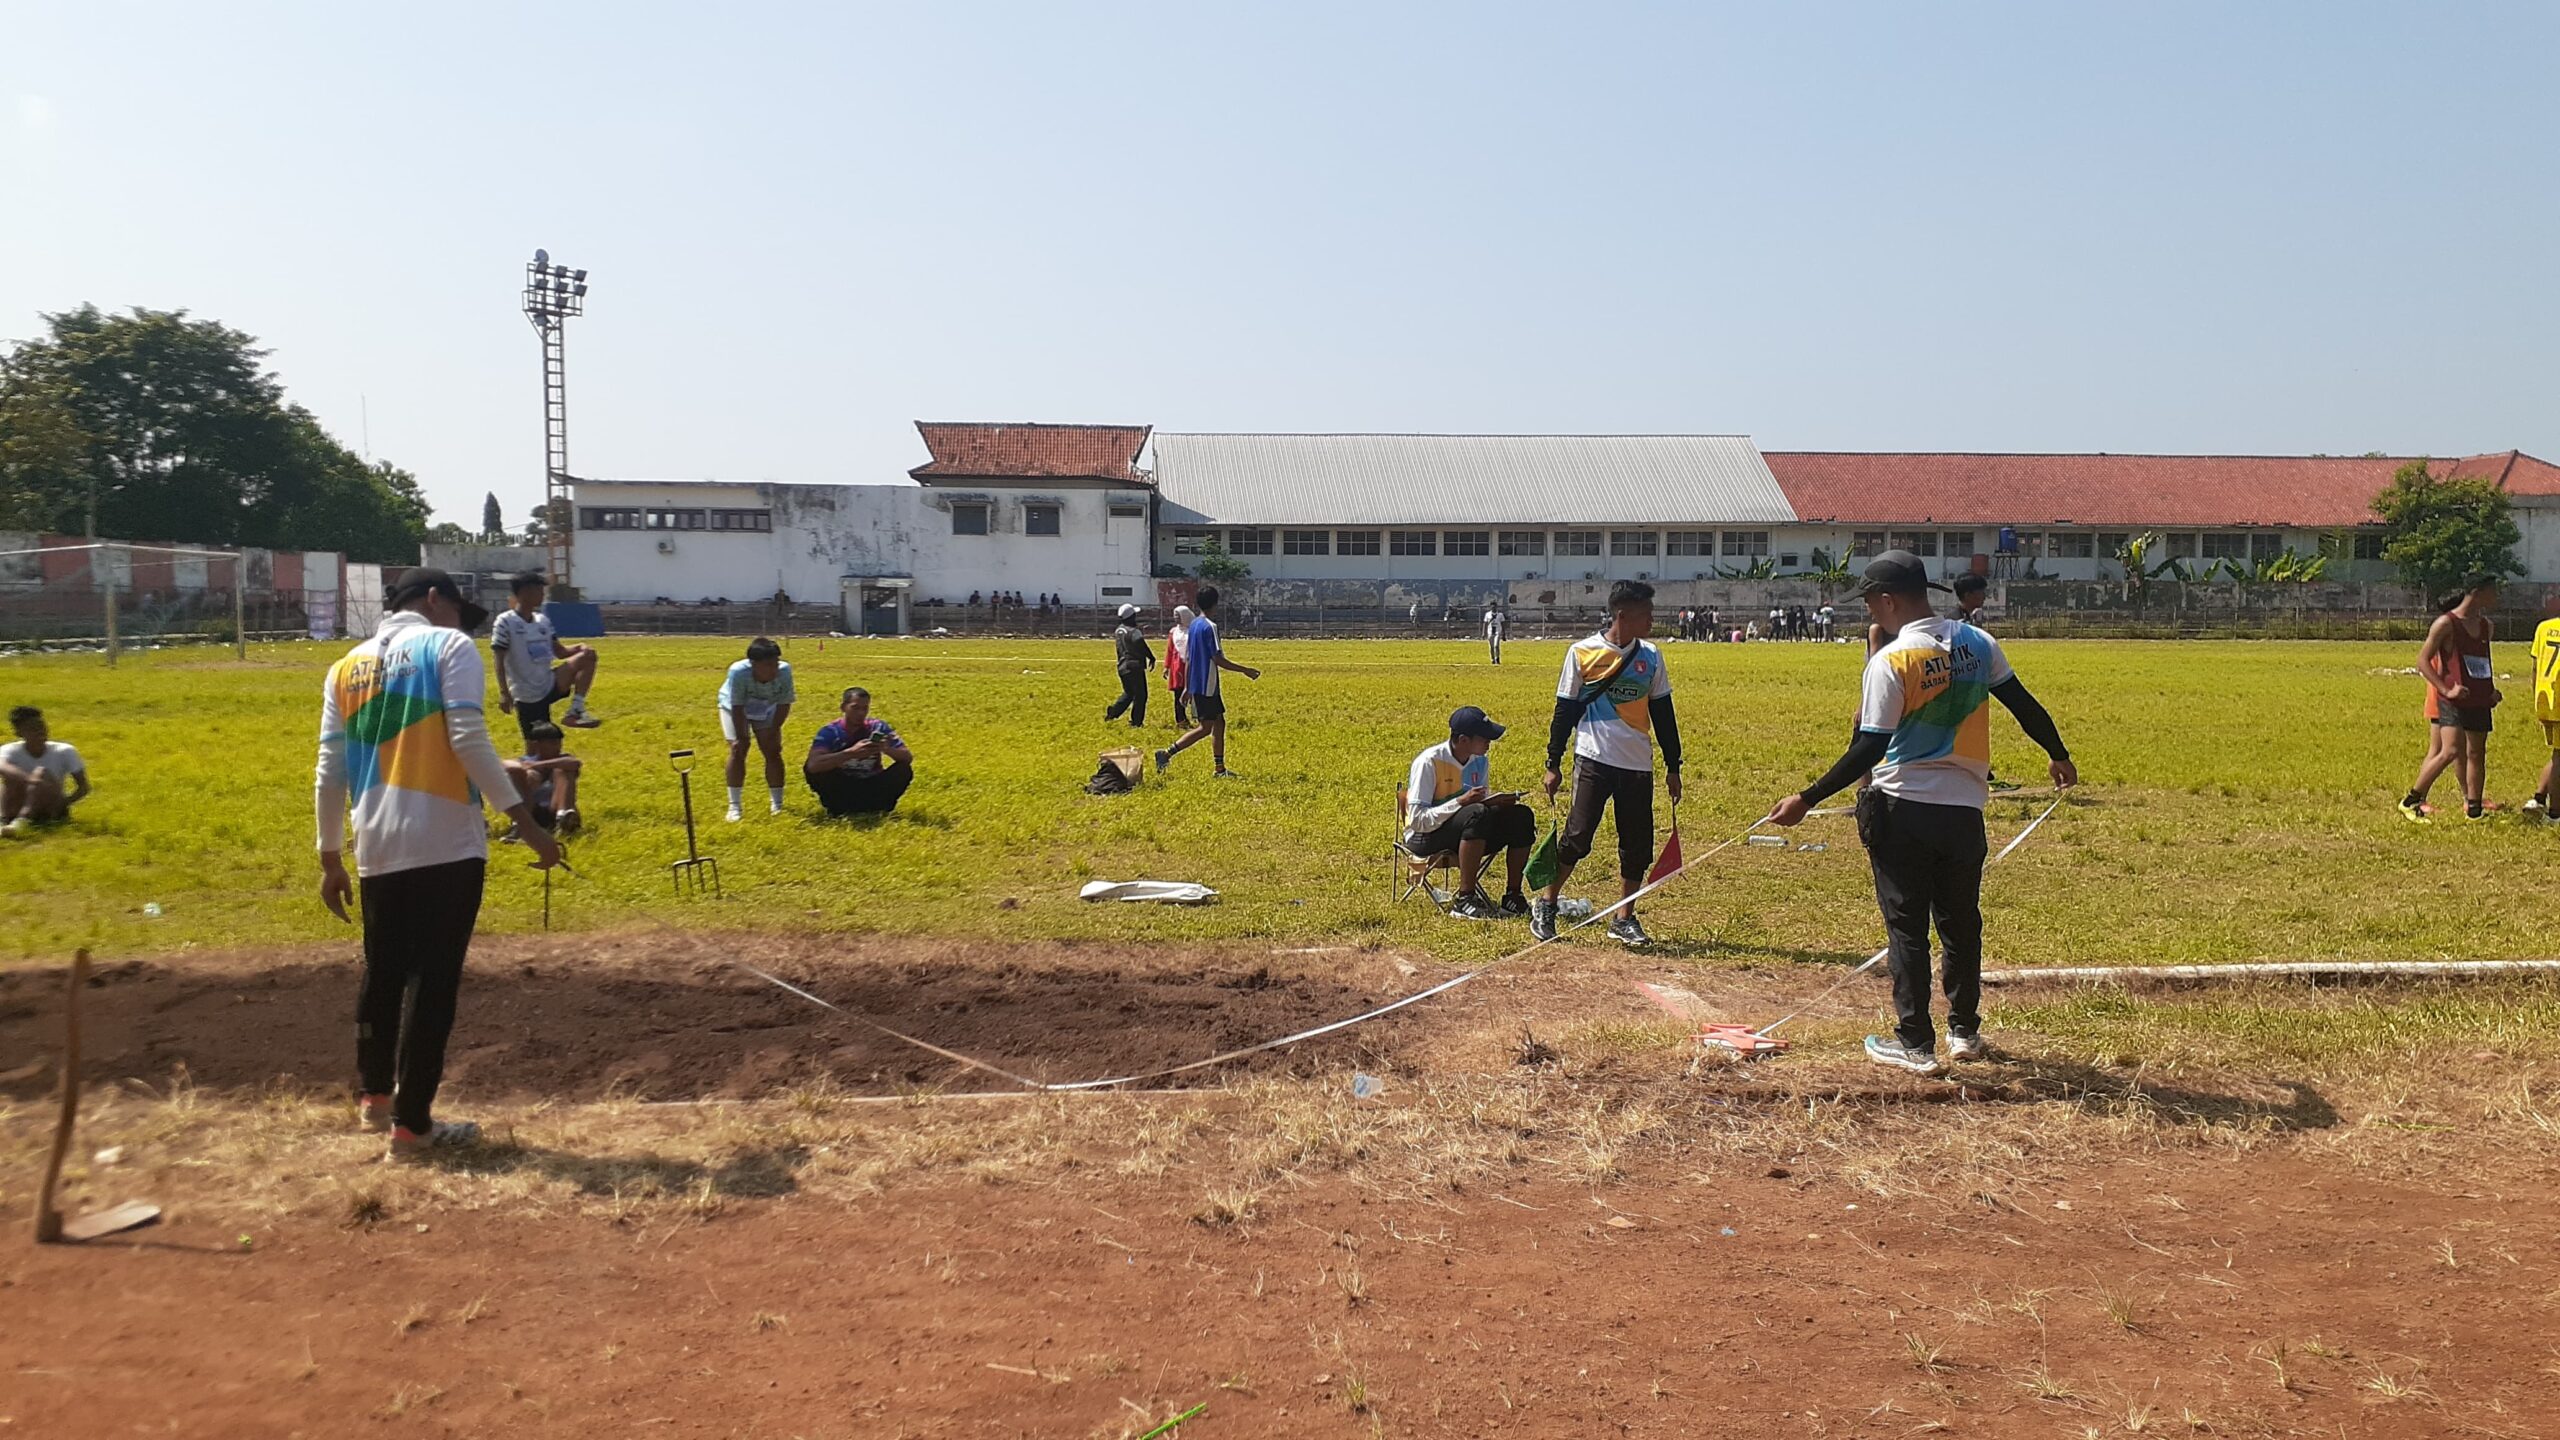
(1886,1050)
(580,720)
(2537,808)
(408,1144)
(1542,919)
(736,814)
(569,821)
(1163,758)
(1961,1046)
(1473,907)
(1626,931)
(1223,773)
(373,1112)
(2416,812)
(13,829)
(1513,907)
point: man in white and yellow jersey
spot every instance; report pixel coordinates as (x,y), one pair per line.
(1924,730)
(1450,805)
(403,736)
(2546,708)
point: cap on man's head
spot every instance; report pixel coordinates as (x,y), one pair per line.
(1470,721)
(1896,572)
(1128,612)
(416,585)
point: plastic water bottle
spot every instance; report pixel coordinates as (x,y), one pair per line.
(152,909)
(1765,841)
(1811,847)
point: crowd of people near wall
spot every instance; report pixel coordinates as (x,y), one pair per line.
(1781,622)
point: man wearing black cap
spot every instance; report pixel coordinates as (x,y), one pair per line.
(1450,805)
(1924,731)
(403,736)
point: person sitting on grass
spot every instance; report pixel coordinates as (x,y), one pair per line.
(857,765)
(754,701)
(525,644)
(547,779)
(1450,805)
(33,770)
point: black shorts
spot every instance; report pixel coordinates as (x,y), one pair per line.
(1500,827)
(2474,718)
(1206,708)
(530,713)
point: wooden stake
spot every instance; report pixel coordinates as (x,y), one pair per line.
(48,1219)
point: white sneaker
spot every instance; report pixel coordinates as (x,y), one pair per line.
(736,814)
(1965,1047)
(777,808)
(13,829)
(1886,1050)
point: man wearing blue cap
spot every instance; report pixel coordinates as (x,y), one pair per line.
(1450,805)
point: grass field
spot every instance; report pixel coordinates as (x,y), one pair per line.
(2236,804)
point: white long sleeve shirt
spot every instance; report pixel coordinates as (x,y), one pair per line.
(402,732)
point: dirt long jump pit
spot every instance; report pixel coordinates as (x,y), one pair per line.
(1543,1214)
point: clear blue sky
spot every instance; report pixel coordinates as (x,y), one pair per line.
(2208,227)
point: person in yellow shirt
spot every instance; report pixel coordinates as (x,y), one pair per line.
(2546,708)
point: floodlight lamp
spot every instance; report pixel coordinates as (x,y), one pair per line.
(578,275)
(541,257)
(581,290)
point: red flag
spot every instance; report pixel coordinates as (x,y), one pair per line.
(1670,861)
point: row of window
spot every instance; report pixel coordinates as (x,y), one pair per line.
(1640,544)
(1039,517)
(600,517)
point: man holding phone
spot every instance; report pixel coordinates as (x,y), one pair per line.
(1450,805)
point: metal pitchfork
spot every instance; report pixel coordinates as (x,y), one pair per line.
(688,873)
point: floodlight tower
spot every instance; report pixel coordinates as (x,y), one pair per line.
(553,293)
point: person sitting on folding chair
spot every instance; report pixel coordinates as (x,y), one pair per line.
(1450,805)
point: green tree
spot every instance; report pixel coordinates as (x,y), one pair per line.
(445,532)
(173,428)
(493,521)
(2440,533)
(1216,564)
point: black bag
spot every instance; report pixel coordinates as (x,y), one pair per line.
(1872,809)
(1109,779)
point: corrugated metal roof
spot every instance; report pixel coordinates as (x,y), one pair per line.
(1485,480)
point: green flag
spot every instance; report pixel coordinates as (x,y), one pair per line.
(1544,862)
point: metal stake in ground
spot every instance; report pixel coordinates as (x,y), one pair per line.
(690,872)
(50,1226)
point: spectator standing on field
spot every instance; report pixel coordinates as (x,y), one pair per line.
(402,732)
(857,765)
(1176,667)
(34,768)
(755,698)
(1495,622)
(525,644)
(1133,660)
(1203,657)
(1925,732)
(1613,702)
(2546,708)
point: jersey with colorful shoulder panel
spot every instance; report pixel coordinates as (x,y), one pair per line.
(414,804)
(1616,688)
(1929,688)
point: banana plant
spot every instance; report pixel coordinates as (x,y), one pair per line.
(1763,568)
(1832,571)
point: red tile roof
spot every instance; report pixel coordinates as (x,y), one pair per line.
(968,451)
(2302,491)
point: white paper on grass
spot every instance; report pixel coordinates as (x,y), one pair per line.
(1165,892)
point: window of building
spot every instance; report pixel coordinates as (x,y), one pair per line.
(1522,542)
(1127,512)
(1865,543)
(969,519)
(1038,519)
(760,521)
(675,520)
(2368,544)
(2265,545)
(2111,541)
(1190,542)
(1355,542)
(1412,542)
(1753,544)
(2073,545)
(1466,542)
(1956,544)
(1306,542)
(1634,544)
(1118,592)
(1248,542)
(2226,545)
(1919,542)
(2182,545)
(1577,542)
(608,518)
(1788,560)
(1689,542)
